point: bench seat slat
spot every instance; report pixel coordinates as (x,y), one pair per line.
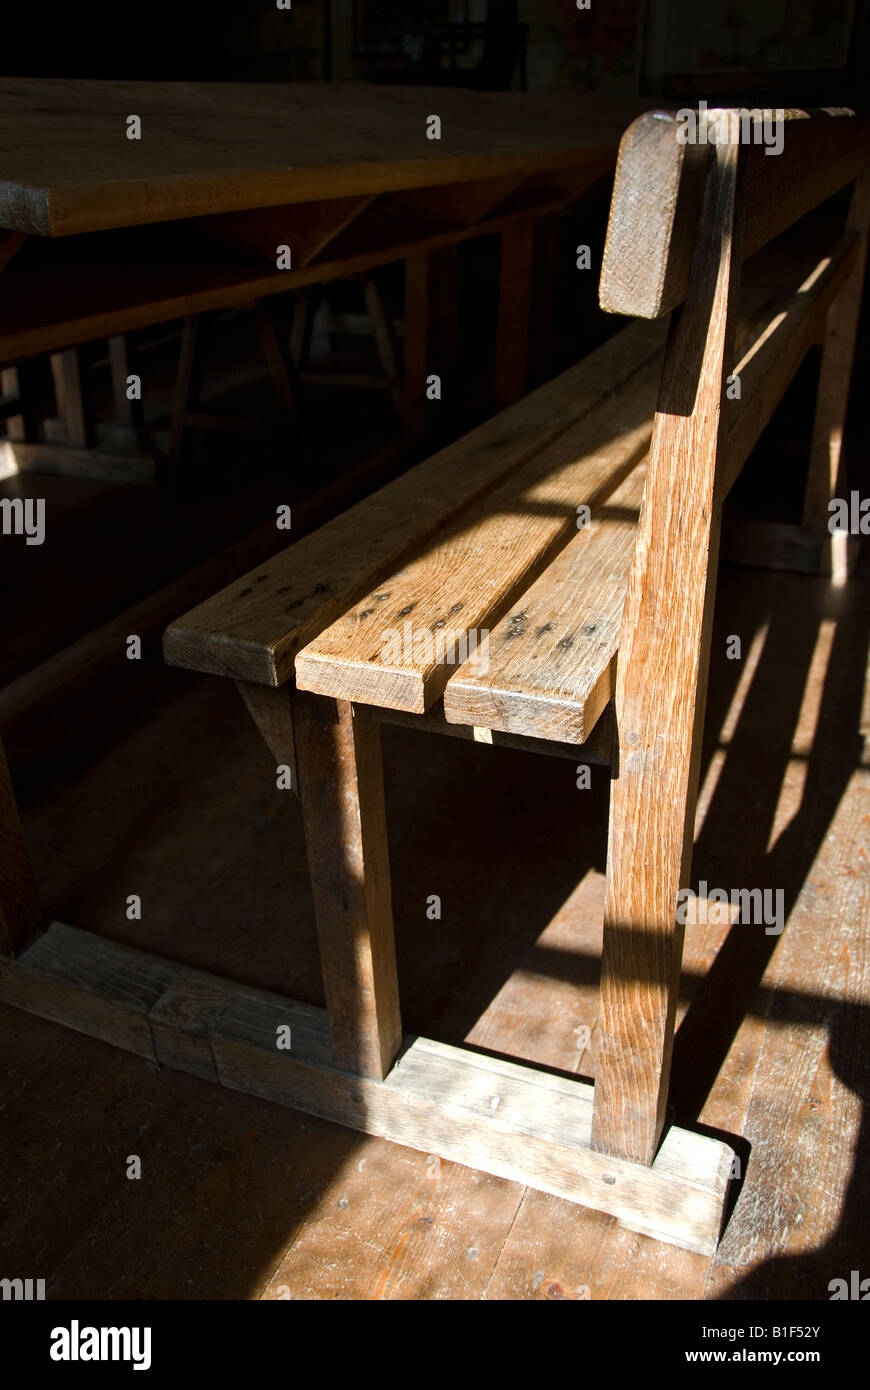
(394,647)
(552,660)
(252,629)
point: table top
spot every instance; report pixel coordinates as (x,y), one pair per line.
(66,164)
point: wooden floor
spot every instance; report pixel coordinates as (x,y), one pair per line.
(162,789)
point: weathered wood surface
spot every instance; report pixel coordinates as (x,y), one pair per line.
(253,629)
(341,788)
(488,1113)
(518,964)
(654,214)
(475,572)
(551,667)
(67,166)
(385,650)
(598,748)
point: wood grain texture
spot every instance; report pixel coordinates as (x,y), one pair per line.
(387,649)
(341,788)
(88,984)
(252,629)
(398,1224)
(216,1222)
(598,748)
(803,1104)
(666,630)
(552,660)
(437,1098)
(219,147)
(654,214)
(557,1252)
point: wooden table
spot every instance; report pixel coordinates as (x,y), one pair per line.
(106,234)
(208,148)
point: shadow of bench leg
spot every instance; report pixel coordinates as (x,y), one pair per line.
(20,914)
(338,754)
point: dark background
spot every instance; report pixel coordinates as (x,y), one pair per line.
(793,51)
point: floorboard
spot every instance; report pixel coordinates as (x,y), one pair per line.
(239,1199)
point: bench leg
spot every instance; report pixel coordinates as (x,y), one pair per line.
(16,382)
(338,755)
(74,406)
(20,913)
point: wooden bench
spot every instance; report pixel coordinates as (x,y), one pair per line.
(598,651)
(485,536)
